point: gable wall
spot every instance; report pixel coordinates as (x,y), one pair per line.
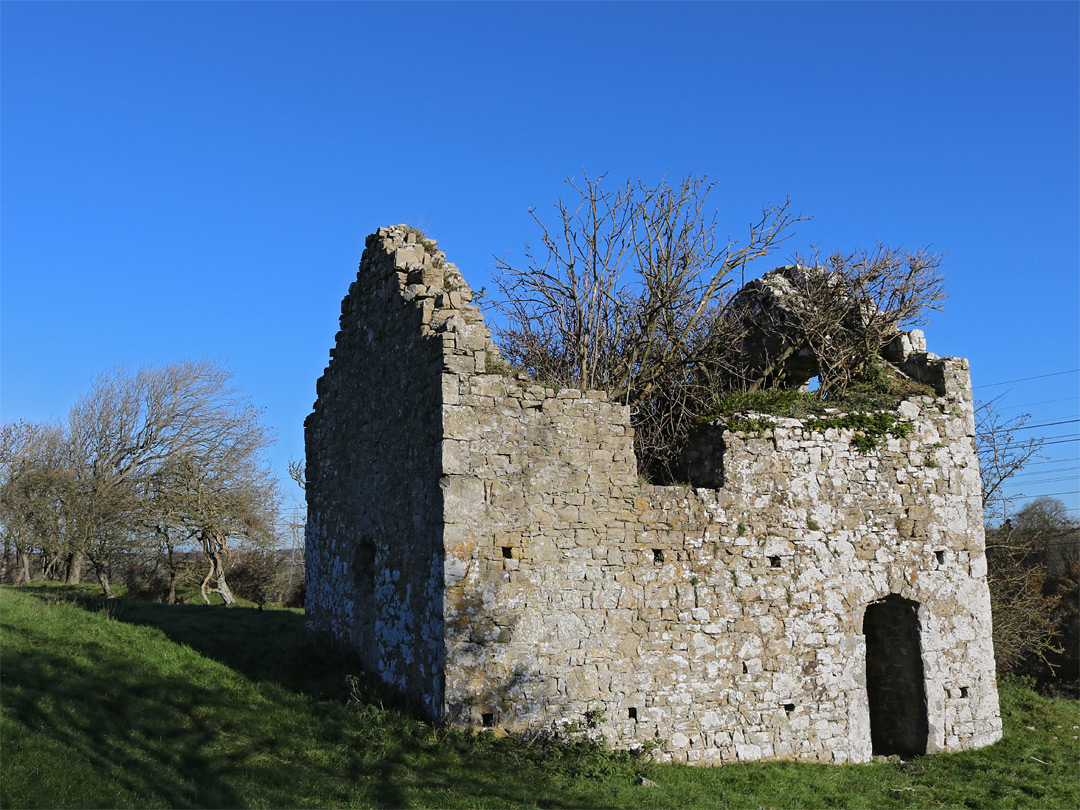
(374,532)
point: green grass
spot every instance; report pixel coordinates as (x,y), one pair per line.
(879,390)
(132,704)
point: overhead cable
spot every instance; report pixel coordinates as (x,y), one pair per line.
(1025,379)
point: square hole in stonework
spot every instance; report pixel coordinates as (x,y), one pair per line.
(487,719)
(774,562)
(657,555)
(508,553)
(963,691)
(632,713)
(789,707)
(940,556)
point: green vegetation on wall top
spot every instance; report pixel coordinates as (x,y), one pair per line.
(868,409)
(880,390)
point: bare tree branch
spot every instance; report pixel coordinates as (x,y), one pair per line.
(1002,455)
(626,295)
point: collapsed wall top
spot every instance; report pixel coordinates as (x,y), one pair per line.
(772,312)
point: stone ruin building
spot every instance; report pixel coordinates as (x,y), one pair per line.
(485,544)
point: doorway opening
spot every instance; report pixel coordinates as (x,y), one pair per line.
(895,683)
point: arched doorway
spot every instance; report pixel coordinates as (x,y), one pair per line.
(894,677)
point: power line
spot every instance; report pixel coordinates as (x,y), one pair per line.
(1042,495)
(1044,424)
(1044,473)
(1050,461)
(1004,430)
(1041,402)
(1069,437)
(1025,379)
(1049,480)
(1051,471)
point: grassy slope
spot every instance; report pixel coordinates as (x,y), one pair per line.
(145,705)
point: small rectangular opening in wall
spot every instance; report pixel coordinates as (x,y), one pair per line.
(940,556)
(487,719)
(789,707)
(774,562)
(364,567)
(508,552)
(632,713)
(657,555)
(963,691)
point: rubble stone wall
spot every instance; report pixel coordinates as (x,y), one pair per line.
(374,531)
(726,621)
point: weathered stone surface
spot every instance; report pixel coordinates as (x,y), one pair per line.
(767,309)
(485,543)
(772,343)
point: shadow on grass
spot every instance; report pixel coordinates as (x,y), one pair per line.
(97,709)
(120,718)
(112,715)
(270,645)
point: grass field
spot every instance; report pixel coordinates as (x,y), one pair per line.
(136,704)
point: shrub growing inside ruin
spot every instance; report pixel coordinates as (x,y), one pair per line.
(629,291)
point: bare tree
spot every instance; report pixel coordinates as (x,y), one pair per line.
(33,486)
(163,519)
(625,293)
(1030,610)
(229,495)
(178,420)
(298,473)
(1002,454)
(1034,608)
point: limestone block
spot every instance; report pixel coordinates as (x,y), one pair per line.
(433,277)
(459,364)
(427,309)
(461,493)
(406,255)
(450,390)
(456,458)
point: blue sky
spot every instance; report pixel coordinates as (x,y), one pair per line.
(183,180)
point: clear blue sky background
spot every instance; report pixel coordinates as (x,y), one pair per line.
(184,180)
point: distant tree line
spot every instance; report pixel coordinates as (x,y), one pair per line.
(1033,560)
(157,476)
(1034,573)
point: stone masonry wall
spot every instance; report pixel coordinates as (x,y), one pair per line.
(374,533)
(725,620)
